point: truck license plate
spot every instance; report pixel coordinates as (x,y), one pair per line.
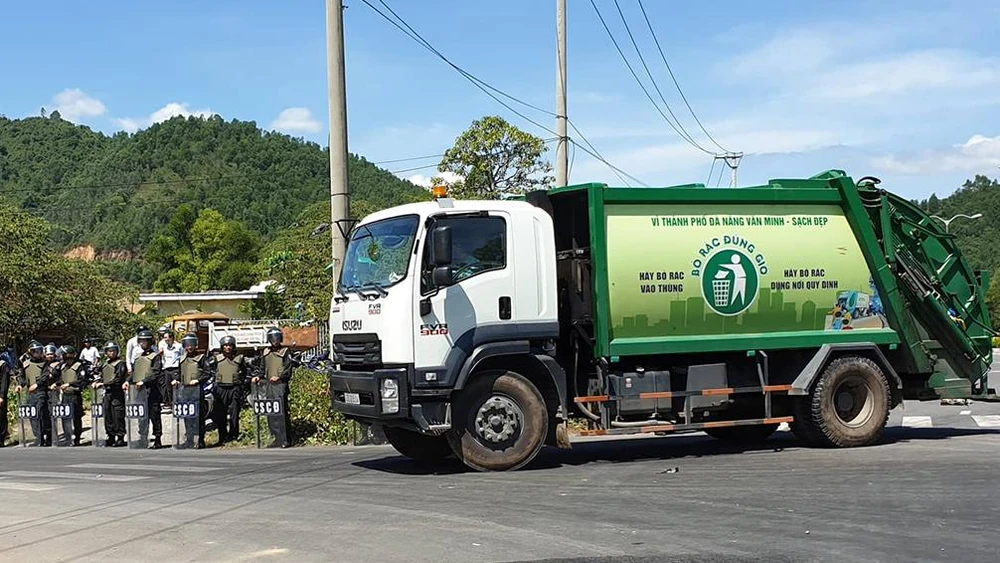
(352,398)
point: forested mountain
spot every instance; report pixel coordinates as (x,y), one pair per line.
(117,193)
(976,237)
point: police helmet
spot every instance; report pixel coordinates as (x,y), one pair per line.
(274,335)
(50,349)
(190,339)
(227,341)
(34,347)
(163,330)
(145,335)
(112,346)
(68,350)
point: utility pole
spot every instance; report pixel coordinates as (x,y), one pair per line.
(732,160)
(337,85)
(562,152)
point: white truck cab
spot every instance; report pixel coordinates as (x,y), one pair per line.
(428,294)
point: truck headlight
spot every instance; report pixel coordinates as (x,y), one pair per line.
(390,396)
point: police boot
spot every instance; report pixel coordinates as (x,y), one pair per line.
(76,441)
(156,443)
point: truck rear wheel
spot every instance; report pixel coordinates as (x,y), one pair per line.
(500,422)
(743,434)
(850,405)
(416,446)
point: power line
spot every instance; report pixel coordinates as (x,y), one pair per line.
(710,171)
(641,85)
(408,159)
(672,77)
(642,60)
(485,87)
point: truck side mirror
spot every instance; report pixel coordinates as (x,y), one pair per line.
(442,276)
(441,246)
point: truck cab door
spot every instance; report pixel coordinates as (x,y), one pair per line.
(474,307)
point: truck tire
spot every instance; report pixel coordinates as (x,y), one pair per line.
(416,446)
(849,406)
(500,422)
(743,434)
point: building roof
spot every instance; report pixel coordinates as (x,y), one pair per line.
(213,295)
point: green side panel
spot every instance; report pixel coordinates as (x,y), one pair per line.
(720,270)
(706,343)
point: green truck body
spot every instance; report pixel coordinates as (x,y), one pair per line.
(794,264)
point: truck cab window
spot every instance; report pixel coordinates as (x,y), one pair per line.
(479,244)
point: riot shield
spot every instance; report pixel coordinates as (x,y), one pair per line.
(137,417)
(97,414)
(187,416)
(61,406)
(270,408)
(29,419)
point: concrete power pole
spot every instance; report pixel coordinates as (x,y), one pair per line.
(340,207)
(562,148)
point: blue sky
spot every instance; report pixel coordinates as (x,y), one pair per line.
(907,91)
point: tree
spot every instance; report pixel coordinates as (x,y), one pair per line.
(42,290)
(210,252)
(494,158)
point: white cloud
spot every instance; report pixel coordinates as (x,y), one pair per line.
(171,110)
(297,120)
(978,154)
(905,73)
(425,181)
(74,104)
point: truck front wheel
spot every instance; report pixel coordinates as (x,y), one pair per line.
(850,405)
(500,422)
(418,447)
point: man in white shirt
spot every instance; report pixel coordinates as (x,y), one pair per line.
(90,353)
(132,349)
(171,352)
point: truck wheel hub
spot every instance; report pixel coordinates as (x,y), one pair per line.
(854,402)
(498,420)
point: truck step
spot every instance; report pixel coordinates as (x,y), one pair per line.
(665,427)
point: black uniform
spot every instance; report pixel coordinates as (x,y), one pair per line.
(35,372)
(200,367)
(147,369)
(113,375)
(230,378)
(6,373)
(278,362)
(75,374)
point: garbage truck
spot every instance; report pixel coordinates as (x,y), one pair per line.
(479,329)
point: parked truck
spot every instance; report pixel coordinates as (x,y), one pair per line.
(479,328)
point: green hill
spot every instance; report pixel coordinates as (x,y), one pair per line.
(115,193)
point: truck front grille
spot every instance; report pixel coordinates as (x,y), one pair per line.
(357,351)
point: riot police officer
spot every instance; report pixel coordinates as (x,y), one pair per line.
(6,373)
(230,376)
(196,370)
(34,376)
(146,374)
(277,365)
(72,376)
(113,375)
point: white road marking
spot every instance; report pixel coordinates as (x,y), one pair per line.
(965,413)
(29,487)
(987,421)
(139,466)
(917,421)
(73,476)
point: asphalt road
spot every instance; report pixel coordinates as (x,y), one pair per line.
(926,494)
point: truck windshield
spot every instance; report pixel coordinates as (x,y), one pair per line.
(378,254)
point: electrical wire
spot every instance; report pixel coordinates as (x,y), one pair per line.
(672,77)
(722,170)
(710,171)
(408,159)
(641,85)
(683,132)
(408,30)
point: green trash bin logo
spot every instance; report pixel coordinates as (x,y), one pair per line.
(730,282)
